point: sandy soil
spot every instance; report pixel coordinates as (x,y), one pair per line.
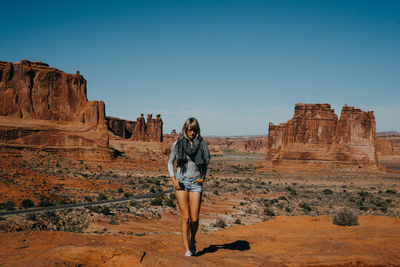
(248,218)
(283,241)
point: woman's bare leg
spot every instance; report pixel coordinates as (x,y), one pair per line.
(182,197)
(195,202)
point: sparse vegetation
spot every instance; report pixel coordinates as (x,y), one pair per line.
(345,217)
(220,223)
(27,203)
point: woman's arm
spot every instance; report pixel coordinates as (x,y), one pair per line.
(171,161)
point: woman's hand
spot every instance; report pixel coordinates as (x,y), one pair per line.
(201,180)
(175,183)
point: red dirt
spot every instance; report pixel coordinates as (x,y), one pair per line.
(283,241)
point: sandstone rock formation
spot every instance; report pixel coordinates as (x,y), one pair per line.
(33,90)
(171,137)
(139,130)
(43,106)
(388,144)
(315,136)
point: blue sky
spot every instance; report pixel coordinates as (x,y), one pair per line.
(234,65)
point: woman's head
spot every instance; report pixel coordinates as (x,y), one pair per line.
(191,128)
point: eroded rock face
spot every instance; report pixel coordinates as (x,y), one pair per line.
(33,90)
(43,106)
(140,130)
(315,136)
(388,144)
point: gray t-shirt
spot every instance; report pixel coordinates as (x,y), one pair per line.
(191,169)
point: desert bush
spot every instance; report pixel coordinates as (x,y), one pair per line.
(31,216)
(101,197)
(113,221)
(269,212)
(345,217)
(88,199)
(170,202)
(220,223)
(238,221)
(27,203)
(291,190)
(127,194)
(44,202)
(133,203)
(120,190)
(328,192)
(306,208)
(390,191)
(9,205)
(106,211)
(156,201)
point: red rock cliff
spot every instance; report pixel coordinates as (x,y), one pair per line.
(33,90)
(46,107)
(315,135)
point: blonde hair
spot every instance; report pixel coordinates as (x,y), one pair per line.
(192,124)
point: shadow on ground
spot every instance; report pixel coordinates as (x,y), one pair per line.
(237,245)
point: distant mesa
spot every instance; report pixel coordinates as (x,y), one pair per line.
(314,137)
(44,106)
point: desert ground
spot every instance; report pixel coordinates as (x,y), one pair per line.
(248,217)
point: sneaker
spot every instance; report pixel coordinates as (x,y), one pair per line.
(188,253)
(192,246)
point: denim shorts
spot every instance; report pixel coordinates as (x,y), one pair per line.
(188,183)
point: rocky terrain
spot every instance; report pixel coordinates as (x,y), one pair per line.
(247,217)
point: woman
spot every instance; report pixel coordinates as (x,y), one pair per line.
(192,155)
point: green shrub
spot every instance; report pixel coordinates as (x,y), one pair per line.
(345,217)
(9,205)
(44,202)
(113,221)
(106,211)
(101,197)
(156,202)
(306,208)
(238,221)
(31,216)
(390,191)
(220,223)
(120,190)
(328,192)
(133,203)
(170,203)
(291,190)
(269,212)
(27,203)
